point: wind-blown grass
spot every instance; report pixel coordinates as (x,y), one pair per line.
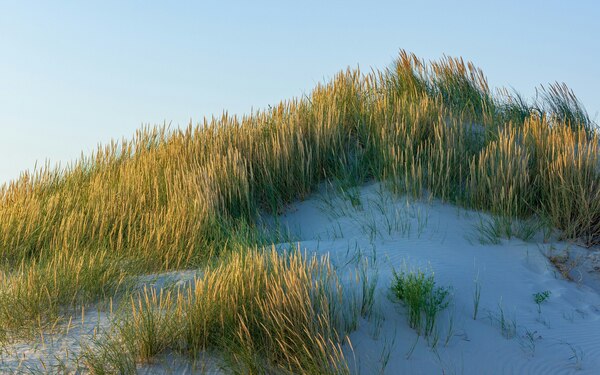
(171,198)
(44,289)
(264,312)
(560,102)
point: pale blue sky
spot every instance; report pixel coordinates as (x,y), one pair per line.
(75,73)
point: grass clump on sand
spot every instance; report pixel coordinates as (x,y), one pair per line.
(265,312)
(33,296)
(423,299)
(541,297)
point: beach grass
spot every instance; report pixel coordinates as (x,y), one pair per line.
(184,198)
(261,311)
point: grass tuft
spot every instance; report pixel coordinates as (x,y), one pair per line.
(422,298)
(268,312)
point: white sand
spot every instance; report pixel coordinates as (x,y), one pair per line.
(563,339)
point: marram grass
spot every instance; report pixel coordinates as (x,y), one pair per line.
(260,311)
(170,198)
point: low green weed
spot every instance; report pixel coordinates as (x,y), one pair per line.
(422,297)
(541,297)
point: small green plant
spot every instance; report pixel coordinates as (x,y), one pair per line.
(488,231)
(384,358)
(369,284)
(508,327)
(422,298)
(527,229)
(412,347)
(476,298)
(577,354)
(528,342)
(450,332)
(540,298)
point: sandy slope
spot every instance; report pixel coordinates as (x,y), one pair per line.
(391,233)
(563,338)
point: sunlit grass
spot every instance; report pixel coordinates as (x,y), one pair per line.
(261,311)
(33,296)
(172,199)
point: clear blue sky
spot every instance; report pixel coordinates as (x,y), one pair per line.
(75,73)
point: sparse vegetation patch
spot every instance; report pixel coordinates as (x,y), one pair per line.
(422,298)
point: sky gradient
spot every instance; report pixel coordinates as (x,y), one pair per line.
(75,74)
